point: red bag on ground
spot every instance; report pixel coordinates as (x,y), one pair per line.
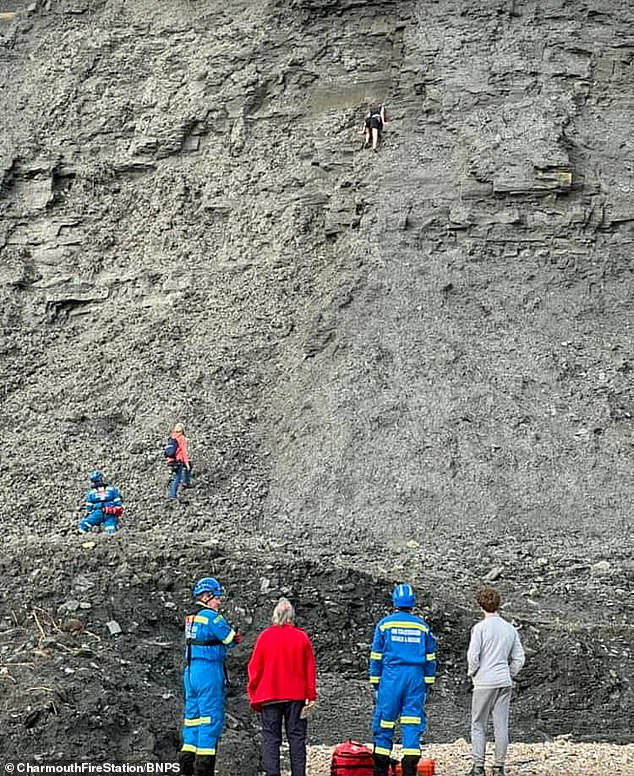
(352,759)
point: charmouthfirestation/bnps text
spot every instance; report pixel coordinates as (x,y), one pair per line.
(84,767)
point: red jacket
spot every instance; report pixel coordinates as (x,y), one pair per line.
(182,454)
(282,667)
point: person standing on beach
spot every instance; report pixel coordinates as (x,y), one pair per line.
(495,657)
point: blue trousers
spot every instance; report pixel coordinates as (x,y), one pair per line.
(97,517)
(180,475)
(400,698)
(204,683)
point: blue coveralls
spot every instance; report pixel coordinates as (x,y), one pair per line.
(95,504)
(402,666)
(208,637)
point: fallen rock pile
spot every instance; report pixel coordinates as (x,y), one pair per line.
(560,757)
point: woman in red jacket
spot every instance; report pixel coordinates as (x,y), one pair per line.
(181,463)
(282,686)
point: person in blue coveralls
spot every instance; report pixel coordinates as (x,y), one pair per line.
(208,636)
(402,668)
(102,505)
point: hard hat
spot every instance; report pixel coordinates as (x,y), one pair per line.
(404,597)
(96,477)
(208,585)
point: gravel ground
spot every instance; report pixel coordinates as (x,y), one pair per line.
(555,758)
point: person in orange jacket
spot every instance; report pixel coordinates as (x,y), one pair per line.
(178,458)
(282,686)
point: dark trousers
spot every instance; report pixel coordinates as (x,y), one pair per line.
(272,716)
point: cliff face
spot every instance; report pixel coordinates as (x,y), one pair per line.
(426,351)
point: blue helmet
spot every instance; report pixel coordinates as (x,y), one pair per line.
(96,477)
(208,585)
(404,597)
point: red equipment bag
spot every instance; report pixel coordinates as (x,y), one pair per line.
(352,759)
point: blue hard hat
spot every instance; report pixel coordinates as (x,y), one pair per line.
(208,585)
(404,597)
(96,476)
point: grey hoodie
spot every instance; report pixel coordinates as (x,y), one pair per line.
(495,654)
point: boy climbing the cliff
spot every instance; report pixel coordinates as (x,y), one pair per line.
(375,120)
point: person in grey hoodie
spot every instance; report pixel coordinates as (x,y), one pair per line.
(494,658)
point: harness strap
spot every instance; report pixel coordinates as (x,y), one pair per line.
(199,643)
(203,642)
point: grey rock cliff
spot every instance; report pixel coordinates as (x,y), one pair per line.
(415,363)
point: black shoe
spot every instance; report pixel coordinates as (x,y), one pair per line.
(205,765)
(477,770)
(409,763)
(498,770)
(381,765)
(186,763)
